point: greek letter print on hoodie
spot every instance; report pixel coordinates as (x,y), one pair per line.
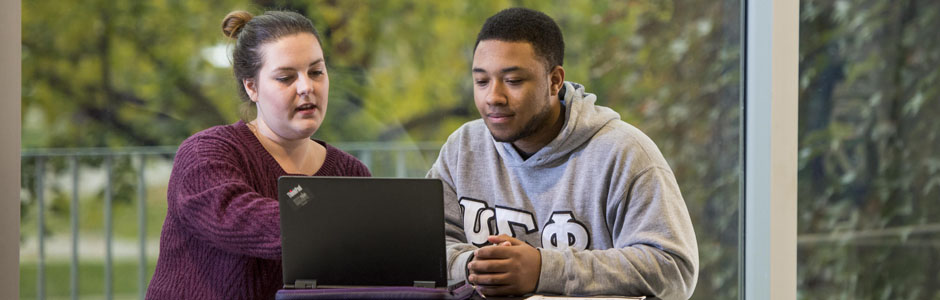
(599,201)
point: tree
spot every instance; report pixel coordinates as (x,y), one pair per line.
(135,74)
(868,152)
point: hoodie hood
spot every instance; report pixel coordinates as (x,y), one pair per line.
(582,120)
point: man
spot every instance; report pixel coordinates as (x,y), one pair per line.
(551,194)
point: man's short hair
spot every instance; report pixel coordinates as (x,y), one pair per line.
(519,24)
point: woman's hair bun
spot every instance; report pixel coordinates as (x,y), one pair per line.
(234,22)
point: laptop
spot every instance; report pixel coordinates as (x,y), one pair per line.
(350,232)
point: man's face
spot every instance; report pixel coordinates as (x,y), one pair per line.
(513,91)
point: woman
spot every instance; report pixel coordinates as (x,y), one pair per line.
(221,237)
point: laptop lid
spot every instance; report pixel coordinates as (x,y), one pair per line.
(361,231)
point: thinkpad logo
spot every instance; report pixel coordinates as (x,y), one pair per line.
(293,192)
(298,196)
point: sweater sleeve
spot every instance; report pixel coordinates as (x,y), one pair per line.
(655,252)
(214,201)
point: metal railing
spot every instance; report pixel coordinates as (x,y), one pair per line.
(405,160)
(383,159)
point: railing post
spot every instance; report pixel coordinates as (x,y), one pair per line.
(366,156)
(107,227)
(74,156)
(41,264)
(400,170)
(73,274)
(142,225)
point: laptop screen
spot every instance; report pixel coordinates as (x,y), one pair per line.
(358,231)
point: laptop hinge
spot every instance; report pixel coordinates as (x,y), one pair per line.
(305,284)
(424,284)
(454,284)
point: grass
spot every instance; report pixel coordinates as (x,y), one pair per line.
(90,279)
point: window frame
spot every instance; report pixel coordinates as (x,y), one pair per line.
(767,263)
(10,93)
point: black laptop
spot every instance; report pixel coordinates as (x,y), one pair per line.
(362,232)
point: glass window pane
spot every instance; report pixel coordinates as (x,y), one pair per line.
(869,169)
(132,79)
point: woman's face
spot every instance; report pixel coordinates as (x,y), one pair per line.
(291,88)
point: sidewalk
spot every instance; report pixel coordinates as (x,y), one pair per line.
(90,247)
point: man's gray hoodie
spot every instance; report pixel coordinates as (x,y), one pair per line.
(599,202)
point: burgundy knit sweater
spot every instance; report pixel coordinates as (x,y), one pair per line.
(221,238)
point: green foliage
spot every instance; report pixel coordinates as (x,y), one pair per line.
(868,149)
(124,73)
(133,73)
